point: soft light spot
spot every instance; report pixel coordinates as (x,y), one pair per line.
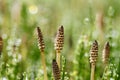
(33,9)
(18,42)
(86,20)
(4,78)
(4,36)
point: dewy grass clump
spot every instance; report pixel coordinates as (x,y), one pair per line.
(93,58)
(42,47)
(59,41)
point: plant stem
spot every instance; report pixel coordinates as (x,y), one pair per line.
(58,58)
(63,67)
(92,72)
(1,45)
(44,65)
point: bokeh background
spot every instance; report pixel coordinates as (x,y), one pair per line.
(84,21)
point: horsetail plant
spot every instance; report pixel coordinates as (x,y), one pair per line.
(93,58)
(59,41)
(56,70)
(106,53)
(105,59)
(42,47)
(1,45)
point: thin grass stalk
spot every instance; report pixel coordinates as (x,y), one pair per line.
(1,45)
(59,41)
(56,70)
(63,67)
(93,58)
(42,47)
(118,71)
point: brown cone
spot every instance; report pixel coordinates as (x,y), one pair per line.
(94,52)
(56,71)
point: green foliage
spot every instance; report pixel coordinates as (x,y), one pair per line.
(20,58)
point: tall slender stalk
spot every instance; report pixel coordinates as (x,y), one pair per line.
(93,58)
(92,72)
(59,41)
(1,45)
(42,47)
(56,70)
(100,24)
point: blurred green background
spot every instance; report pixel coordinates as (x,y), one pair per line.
(84,21)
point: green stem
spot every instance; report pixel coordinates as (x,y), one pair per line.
(63,68)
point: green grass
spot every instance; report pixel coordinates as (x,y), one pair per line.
(21,59)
